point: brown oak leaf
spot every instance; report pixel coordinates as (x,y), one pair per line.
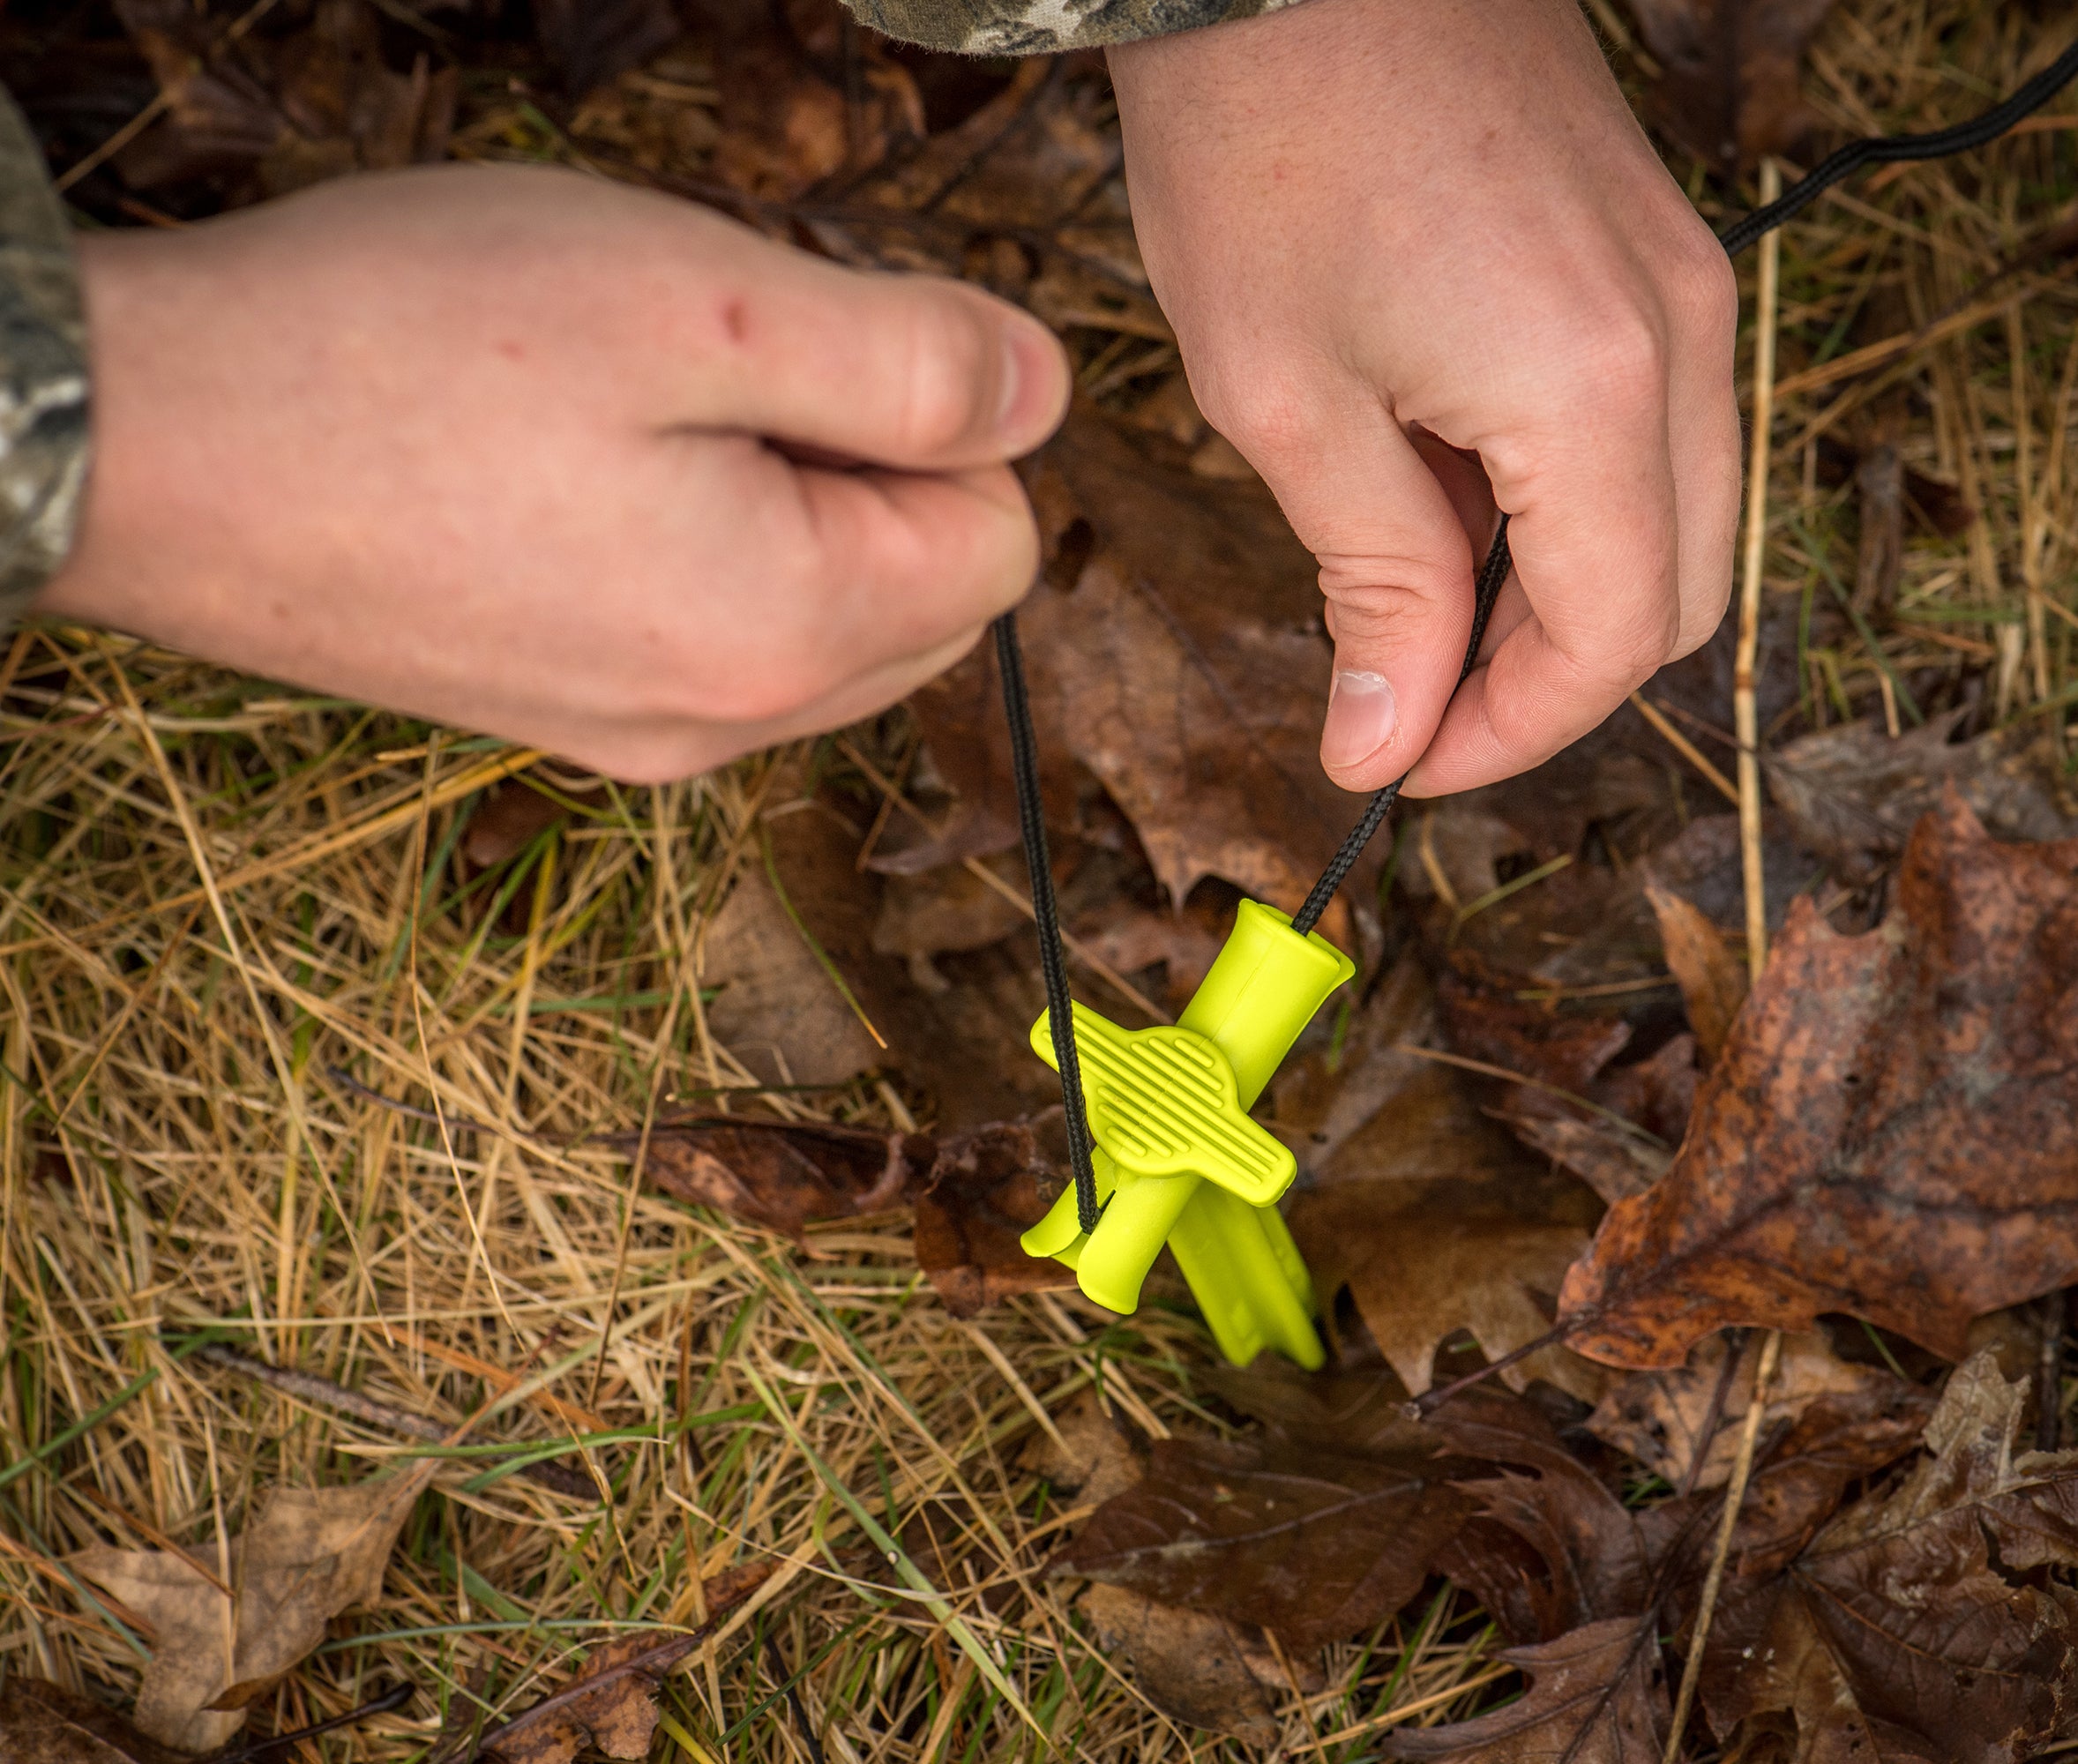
(1888,1132)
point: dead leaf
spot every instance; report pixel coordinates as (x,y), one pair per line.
(777,1009)
(1886,1132)
(926,913)
(1428,1212)
(1182,662)
(1614,1163)
(1419,1278)
(986,1188)
(1597,1696)
(1658,1418)
(1713,979)
(1571,1578)
(967,1045)
(1728,89)
(1194,1668)
(1096,1456)
(617,1719)
(311,1554)
(781,1174)
(1551,1551)
(1350,1408)
(1585,1587)
(44,1723)
(1313,1545)
(1854,793)
(1918,1624)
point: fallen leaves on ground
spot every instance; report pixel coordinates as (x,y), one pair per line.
(266,116)
(1199,1670)
(1729,87)
(1919,1624)
(1176,652)
(311,1554)
(1660,1418)
(1886,1132)
(781,1174)
(45,1723)
(1428,1213)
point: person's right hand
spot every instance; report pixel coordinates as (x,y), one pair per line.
(538,455)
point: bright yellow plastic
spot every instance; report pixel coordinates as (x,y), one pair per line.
(1178,1160)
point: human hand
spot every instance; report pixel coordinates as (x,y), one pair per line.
(1387,230)
(528,453)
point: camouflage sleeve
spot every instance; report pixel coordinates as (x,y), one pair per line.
(44,443)
(1043,26)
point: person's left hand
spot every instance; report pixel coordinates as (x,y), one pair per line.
(1404,240)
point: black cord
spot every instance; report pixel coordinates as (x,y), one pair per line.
(1962,138)
(1024,764)
(1878,149)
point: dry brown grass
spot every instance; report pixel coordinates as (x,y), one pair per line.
(220,897)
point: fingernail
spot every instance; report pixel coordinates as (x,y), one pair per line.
(1360,713)
(1013,387)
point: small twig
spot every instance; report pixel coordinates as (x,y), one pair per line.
(1734,1496)
(1685,747)
(1745,700)
(311,1388)
(392,1698)
(1486,1070)
(1430,1400)
(396,1105)
(779,1670)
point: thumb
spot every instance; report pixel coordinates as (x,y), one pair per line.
(913,371)
(1396,570)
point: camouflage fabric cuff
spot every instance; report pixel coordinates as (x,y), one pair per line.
(997,28)
(43,433)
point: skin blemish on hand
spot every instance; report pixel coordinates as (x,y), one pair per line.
(736,319)
(510,349)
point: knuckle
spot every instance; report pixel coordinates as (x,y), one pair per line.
(1262,413)
(1624,360)
(1703,290)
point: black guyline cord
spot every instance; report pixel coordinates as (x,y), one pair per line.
(1024,747)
